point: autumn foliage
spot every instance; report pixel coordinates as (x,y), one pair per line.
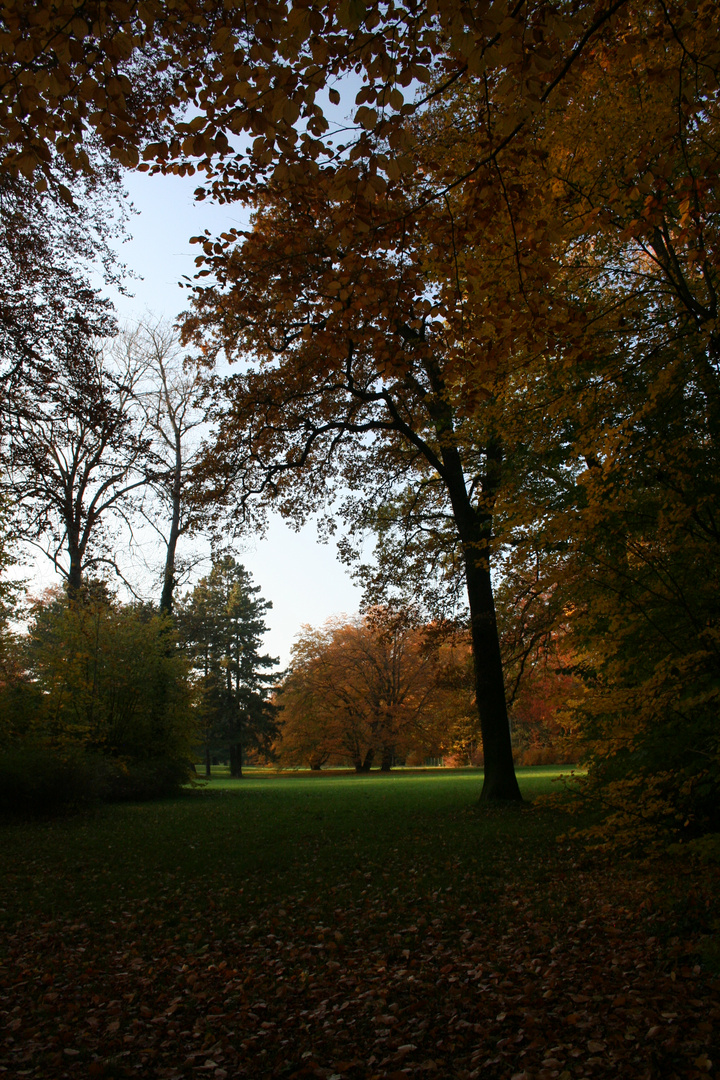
(528,292)
(483,306)
(371,691)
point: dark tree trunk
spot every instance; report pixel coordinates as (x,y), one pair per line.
(387,759)
(474,530)
(166,600)
(208,762)
(364,765)
(236,759)
(500,782)
(74,581)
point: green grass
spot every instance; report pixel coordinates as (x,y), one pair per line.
(259,836)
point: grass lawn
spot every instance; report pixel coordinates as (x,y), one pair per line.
(343,926)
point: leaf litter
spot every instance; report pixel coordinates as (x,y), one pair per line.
(582,971)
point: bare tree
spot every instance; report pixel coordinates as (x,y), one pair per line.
(174,416)
(74,454)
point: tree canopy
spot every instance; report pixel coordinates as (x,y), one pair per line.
(366,691)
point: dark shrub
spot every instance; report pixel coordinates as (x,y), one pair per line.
(152,779)
(38,780)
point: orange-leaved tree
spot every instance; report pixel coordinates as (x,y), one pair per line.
(360,384)
(625,513)
(364,691)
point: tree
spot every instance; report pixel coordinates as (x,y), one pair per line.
(122,73)
(591,132)
(222,623)
(72,454)
(541,252)
(640,405)
(107,681)
(358,380)
(169,396)
(367,691)
(48,251)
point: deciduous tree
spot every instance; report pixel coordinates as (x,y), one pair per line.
(170,397)
(107,680)
(121,71)
(48,252)
(72,455)
(360,380)
(365,691)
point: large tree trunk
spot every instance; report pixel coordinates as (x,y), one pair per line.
(363,766)
(474,530)
(387,759)
(500,781)
(236,759)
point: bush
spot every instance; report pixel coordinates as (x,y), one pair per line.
(38,780)
(155,778)
(35,780)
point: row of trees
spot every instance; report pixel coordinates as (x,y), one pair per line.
(371,691)
(101,446)
(384,689)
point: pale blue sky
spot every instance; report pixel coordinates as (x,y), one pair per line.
(301,577)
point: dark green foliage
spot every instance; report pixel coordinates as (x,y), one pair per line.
(37,780)
(222,623)
(112,678)
(152,778)
(94,705)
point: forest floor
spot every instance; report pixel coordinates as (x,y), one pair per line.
(349,928)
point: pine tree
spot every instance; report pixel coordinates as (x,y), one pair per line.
(222,623)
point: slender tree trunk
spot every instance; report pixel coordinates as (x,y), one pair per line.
(74,581)
(166,600)
(208,762)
